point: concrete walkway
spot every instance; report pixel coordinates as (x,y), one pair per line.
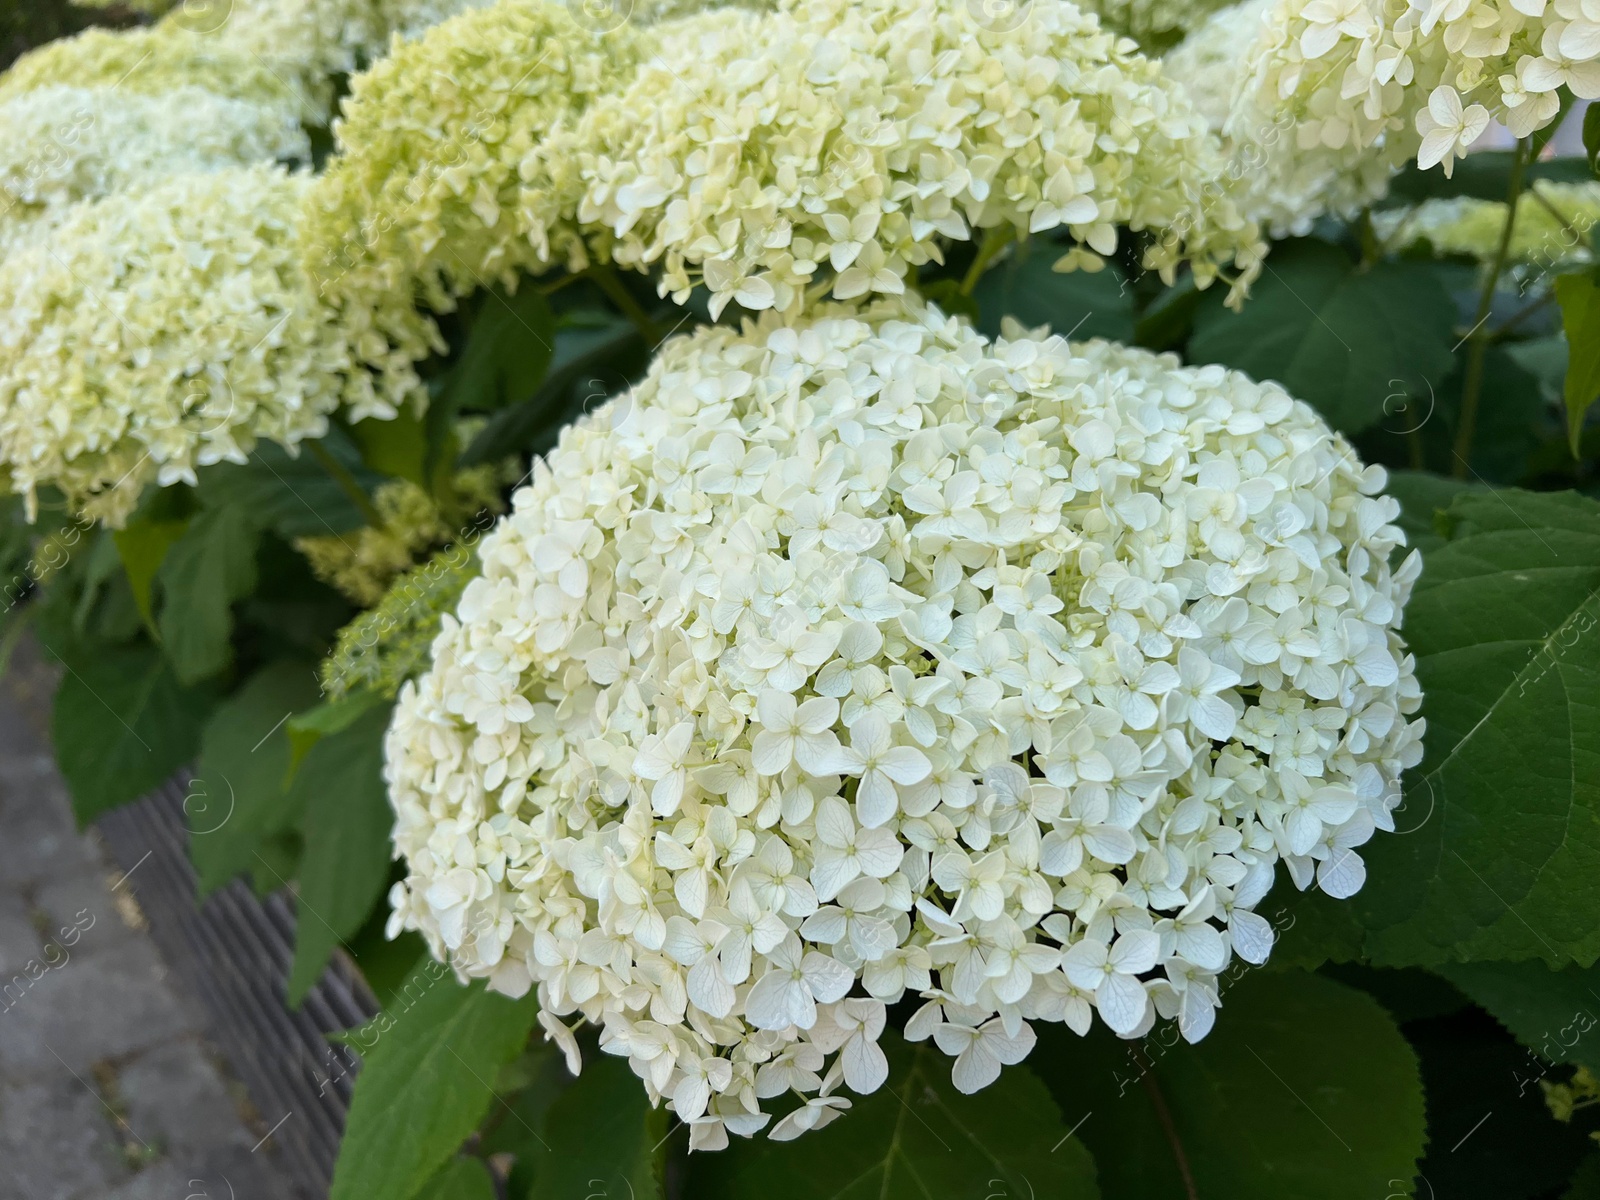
(108,1089)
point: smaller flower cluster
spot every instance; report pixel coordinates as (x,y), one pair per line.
(364,562)
(1553,224)
(436,157)
(1425,76)
(154,61)
(64,144)
(388,644)
(162,329)
(1286,176)
(857,137)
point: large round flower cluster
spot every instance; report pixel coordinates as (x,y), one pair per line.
(66,144)
(861,657)
(1426,76)
(756,153)
(1284,174)
(436,155)
(162,329)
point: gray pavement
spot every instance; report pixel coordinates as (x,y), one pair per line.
(108,1088)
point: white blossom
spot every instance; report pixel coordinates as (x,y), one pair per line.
(822,706)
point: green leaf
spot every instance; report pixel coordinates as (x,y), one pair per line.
(291,495)
(917,1137)
(460,1179)
(306,729)
(1482,175)
(599,1137)
(1579,297)
(236,798)
(587,346)
(507,353)
(429,1061)
(1423,497)
(1591,138)
(1304,1088)
(346,826)
(1345,340)
(1490,1131)
(1586,1179)
(1503,625)
(1073,303)
(143,546)
(397,447)
(122,724)
(208,569)
(1555,1013)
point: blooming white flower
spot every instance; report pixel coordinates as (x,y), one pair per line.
(162,329)
(904,126)
(1447,128)
(797,748)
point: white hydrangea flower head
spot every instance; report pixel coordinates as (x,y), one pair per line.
(66,144)
(436,152)
(861,658)
(162,329)
(1425,77)
(156,60)
(1285,177)
(309,42)
(840,143)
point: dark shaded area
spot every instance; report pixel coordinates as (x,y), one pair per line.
(25,24)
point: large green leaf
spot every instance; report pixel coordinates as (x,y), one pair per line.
(207,570)
(429,1062)
(599,1137)
(122,724)
(293,495)
(143,547)
(236,798)
(1305,1089)
(916,1138)
(591,348)
(1556,1013)
(346,825)
(507,353)
(1579,296)
(1074,303)
(461,1179)
(1346,340)
(1503,624)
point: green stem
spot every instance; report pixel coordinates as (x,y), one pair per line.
(347,483)
(1164,1117)
(1472,383)
(606,279)
(994,241)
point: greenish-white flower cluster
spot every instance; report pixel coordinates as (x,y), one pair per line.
(161,329)
(1554,225)
(1424,77)
(839,145)
(438,157)
(855,659)
(64,144)
(1284,175)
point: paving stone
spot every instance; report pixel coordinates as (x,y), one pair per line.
(173,1090)
(56,1141)
(90,1008)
